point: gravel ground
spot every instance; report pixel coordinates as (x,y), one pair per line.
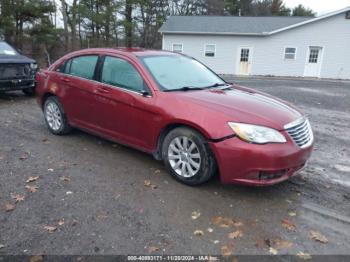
(91,199)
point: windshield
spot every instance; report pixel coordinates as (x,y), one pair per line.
(6,49)
(177,72)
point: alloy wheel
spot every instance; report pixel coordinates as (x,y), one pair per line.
(184,156)
(53,116)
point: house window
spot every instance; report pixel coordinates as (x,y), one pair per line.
(244,54)
(210,50)
(289,53)
(313,57)
(177,48)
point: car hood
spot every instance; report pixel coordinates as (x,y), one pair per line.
(245,105)
(15,59)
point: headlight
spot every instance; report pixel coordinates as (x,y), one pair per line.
(34,66)
(257,134)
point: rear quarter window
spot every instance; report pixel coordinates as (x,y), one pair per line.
(82,66)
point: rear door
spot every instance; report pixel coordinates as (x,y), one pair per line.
(79,82)
(125,111)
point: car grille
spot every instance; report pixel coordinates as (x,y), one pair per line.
(14,71)
(301,133)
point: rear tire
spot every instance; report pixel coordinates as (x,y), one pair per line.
(55,118)
(29,91)
(188,157)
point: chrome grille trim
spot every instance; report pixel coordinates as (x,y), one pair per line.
(301,132)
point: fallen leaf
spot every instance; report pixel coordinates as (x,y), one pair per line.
(238,224)
(315,235)
(102,215)
(198,233)
(50,229)
(36,259)
(195,215)
(288,225)
(24,156)
(32,179)
(226,250)
(17,197)
(292,214)
(222,222)
(31,189)
(9,207)
(272,251)
(61,222)
(147,183)
(157,172)
(235,234)
(304,256)
(281,243)
(65,178)
(45,141)
(153,249)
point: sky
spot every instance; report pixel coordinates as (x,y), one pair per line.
(320,6)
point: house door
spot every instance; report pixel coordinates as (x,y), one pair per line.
(245,61)
(313,63)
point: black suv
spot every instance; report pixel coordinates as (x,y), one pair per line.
(17,72)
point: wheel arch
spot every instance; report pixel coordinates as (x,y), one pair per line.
(171,126)
(45,97)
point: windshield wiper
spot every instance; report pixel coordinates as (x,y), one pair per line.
(184,88)
(216,85)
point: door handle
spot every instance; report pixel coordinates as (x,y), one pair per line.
(102,90)
(65,79)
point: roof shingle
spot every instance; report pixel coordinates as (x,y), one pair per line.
(228,24)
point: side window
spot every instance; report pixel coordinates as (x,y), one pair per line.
(120,73)
(62,67)
(83,66)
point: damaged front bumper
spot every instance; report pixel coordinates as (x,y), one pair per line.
(16,84)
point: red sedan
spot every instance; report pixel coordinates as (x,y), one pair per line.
(177,109)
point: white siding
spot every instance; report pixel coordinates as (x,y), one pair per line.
(333,34)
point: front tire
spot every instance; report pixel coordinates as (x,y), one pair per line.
(188,157)
(55,117)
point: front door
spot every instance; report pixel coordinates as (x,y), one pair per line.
(313,63)
(125,113)
(245,55)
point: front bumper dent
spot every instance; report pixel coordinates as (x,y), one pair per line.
(16,84)
(258,165)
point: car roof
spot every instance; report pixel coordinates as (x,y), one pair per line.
(131,52)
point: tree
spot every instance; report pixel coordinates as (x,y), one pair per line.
(232,7)
(215,7)
(300,10)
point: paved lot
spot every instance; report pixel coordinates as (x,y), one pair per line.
(91,192)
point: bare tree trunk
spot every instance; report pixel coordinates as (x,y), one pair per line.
(73,25)
(65,23)
(128,23)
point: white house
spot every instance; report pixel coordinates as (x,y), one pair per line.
(277,46)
